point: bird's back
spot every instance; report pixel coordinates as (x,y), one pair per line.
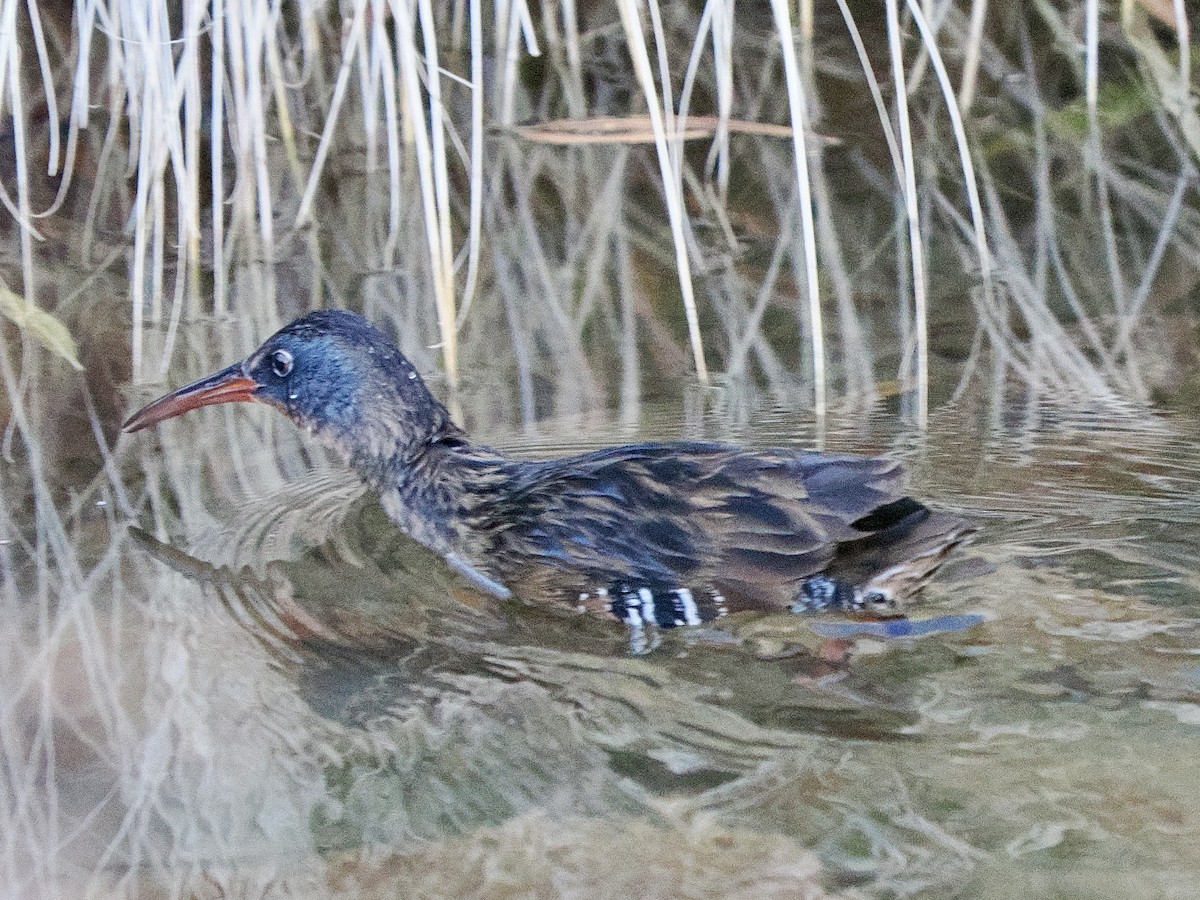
(678,534)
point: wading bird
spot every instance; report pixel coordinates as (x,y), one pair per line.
(656,535)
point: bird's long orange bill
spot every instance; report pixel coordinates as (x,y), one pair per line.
(230,385)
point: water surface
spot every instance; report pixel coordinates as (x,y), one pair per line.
(253,686)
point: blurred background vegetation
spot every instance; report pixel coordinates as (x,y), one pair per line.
(564,207)
(610,191)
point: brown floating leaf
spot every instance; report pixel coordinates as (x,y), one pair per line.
(636,130)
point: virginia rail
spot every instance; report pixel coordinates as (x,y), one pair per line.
(652,534)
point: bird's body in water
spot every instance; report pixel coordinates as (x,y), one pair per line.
(651,534)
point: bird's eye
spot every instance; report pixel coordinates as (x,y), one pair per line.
(281,363)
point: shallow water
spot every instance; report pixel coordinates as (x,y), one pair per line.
(252,686)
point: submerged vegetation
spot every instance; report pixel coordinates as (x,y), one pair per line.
(558,206)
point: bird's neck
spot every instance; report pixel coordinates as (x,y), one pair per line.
(439,490)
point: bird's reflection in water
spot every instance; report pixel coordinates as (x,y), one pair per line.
(372,625)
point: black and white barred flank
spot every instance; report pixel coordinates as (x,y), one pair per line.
(645,605)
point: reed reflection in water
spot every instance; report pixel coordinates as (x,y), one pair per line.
(268,689)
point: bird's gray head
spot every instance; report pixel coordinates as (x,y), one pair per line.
(335,374)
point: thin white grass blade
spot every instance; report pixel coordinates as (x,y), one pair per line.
(576,104)
(256,133)
(287,131)
(992,315)
(1170,219)
(964,155)
(723,71)
(720,24)
(142,199)
(442,274)
(1091,54)
(369,59)
(511,57)
(8,45)
(158,212)
(1048,234)
(540,271)
(85,13)
(475,224)
(1183,35)
(1094,152)
(443,263)
(458,19)
(167,143)
(971,55)
(10,82)
(216,155)
(636,40)
(1054,357)
(49,94)
(512,19)
(600,238)
(689,74)
(290,139)
(742,343)
(631,382)
(385,60)
(860,381)
(917,246)
(500,16)
(664,82)
(798,105)
(116,101)
(528,32)
(304,212)
(903,267)
(885,119)
(85,17)
(193,116)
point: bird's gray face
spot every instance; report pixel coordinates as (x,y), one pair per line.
(317,380)
(331,373)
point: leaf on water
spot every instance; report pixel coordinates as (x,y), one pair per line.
(637,130)
(40,325)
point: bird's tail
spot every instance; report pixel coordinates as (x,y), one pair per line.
(889,566)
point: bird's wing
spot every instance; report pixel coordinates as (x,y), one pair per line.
(752,524)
